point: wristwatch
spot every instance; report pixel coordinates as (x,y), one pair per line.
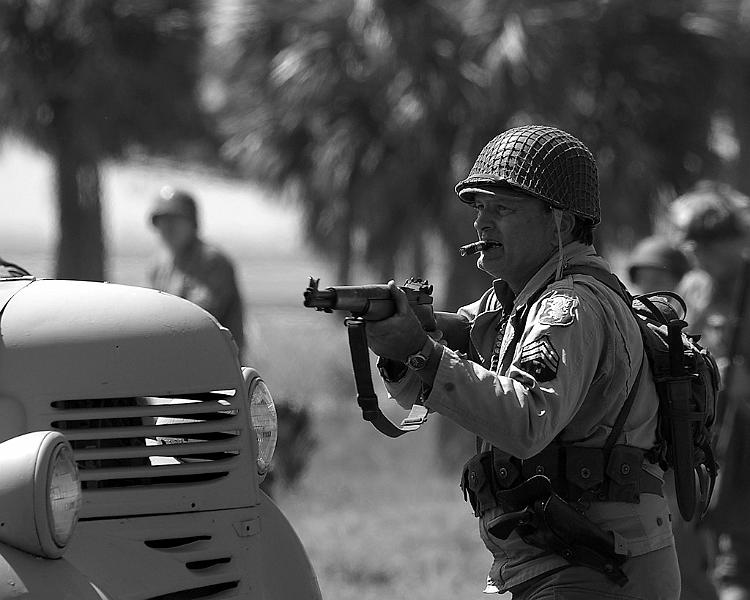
(419,360)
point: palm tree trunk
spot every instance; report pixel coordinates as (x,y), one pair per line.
(742,127)
(80,245)
(345,252)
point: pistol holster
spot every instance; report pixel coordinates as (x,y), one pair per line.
(544,520)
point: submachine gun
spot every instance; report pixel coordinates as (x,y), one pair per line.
(373,302)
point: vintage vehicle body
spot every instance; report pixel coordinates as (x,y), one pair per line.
(147,390)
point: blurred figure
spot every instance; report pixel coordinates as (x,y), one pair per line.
(714,222)
(9,269)
(192,269)
(656,264)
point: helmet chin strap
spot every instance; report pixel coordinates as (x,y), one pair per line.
(557,215)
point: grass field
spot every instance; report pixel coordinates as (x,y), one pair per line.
(377,516)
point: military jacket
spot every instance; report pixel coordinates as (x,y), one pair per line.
(576,357)
(205,276)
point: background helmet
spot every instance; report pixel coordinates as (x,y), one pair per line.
(172,202)
(659,253)
(711,211)
(545,162)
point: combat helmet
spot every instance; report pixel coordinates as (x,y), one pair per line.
(711,211)
(545,162)
(173,202)
(659,253)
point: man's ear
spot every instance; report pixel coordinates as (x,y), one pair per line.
(567,223)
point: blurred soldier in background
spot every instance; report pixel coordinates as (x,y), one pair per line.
(714,222)
(554,360)
(192,269)
(656,264)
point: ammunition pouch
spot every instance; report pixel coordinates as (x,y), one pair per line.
(544,520)
(576,473)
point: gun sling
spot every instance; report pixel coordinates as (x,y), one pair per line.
(366,396)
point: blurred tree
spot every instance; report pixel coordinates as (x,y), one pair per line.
(353,108)
(87,79)
(726,26)
(631,79)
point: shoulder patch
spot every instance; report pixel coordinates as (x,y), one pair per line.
(557,309)
(540,359)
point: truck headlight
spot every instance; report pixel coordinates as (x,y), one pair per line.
(262,418)
(40,493)
(64,494)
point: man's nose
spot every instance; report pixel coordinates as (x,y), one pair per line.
(481,221)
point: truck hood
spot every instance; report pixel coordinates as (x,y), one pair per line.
(73,339)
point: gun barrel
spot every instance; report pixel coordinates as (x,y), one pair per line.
(373,302)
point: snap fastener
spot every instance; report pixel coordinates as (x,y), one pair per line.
(567,553)
(539,470)
(502,472)
(625,468)
(585,473)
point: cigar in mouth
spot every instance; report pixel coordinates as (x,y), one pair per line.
(475,247)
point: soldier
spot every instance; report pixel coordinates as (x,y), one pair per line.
(553,381)
(656,264)
(191,268)
(714,222)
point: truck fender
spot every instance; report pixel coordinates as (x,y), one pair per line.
(288,573)
(35,578)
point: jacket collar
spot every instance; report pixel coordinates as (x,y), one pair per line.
(574,253)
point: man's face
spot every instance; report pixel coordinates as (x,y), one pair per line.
(523,225)
(177,232)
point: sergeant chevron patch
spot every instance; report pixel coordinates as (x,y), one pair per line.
(558,310)
(540,359)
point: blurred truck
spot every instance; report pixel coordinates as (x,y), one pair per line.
(132,445)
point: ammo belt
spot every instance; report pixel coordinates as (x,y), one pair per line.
(577,474)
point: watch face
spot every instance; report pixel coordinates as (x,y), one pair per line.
(416,361)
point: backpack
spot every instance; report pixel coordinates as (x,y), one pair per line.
(687,383)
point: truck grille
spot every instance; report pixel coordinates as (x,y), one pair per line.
(218,573)
(138,441)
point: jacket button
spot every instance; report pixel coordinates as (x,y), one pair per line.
(473,477)
(539,469)
(502,473)
(585,473)
(625,468)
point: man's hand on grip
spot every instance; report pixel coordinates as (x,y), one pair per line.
(400,335)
